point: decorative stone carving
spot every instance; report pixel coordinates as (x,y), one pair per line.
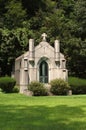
(32,69)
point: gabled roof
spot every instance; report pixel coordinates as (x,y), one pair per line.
(44,44)
(26,54)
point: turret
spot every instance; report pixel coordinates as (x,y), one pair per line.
(57,51)
(31,50)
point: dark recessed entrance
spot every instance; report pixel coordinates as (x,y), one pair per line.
(43,72)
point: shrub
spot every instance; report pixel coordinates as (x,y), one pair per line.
(78,85)
(7,84)
(37,88)
(59,87)
(15,89)
(0,90)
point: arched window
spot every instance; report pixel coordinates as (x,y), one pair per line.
(43,72)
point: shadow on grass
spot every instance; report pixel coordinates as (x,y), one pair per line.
(41,117)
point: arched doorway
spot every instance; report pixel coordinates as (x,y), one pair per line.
(43,72)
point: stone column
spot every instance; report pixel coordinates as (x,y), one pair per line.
(23,78)
(31,50)
(57,51)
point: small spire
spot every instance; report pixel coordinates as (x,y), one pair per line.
(44,35)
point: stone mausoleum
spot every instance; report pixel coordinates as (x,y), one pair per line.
(41,63)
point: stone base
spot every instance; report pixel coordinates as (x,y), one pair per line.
(48,86)
(69,92)
(27,92)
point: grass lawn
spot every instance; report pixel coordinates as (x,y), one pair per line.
(20,112)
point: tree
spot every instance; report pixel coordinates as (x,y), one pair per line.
(80,17)
(61,19)
(15,14)
(13,44)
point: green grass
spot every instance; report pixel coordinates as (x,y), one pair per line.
(20,112)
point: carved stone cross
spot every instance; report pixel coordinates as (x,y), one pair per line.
(44,35)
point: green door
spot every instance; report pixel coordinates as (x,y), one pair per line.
(43,72)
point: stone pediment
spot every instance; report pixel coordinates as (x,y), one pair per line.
(44,44)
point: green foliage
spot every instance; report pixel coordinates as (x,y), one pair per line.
(15,89)
(37,88)
(0,90)
(80,16)
(15,14)
(59,87)
(60,19)
(78,85)
(7,84)
(13,44)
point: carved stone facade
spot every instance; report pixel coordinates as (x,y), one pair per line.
(41,63)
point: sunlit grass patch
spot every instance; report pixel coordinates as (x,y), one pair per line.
(42,113)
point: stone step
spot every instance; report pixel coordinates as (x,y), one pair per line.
(48,86)
(27,92)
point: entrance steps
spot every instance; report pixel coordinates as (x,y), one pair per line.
(48,86)
(27,92)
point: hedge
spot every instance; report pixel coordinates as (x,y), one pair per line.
(78,85)
(7,84)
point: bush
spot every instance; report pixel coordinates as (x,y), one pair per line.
(78,85)
(37,88)
(15,89)
(7,84)
(0,90)
(59,87)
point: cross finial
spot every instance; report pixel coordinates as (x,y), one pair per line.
(44,35)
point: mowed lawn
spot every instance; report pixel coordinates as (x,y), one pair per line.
(20,112)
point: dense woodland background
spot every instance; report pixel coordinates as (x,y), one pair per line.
(61,19)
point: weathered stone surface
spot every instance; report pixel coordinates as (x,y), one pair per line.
(41,63)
